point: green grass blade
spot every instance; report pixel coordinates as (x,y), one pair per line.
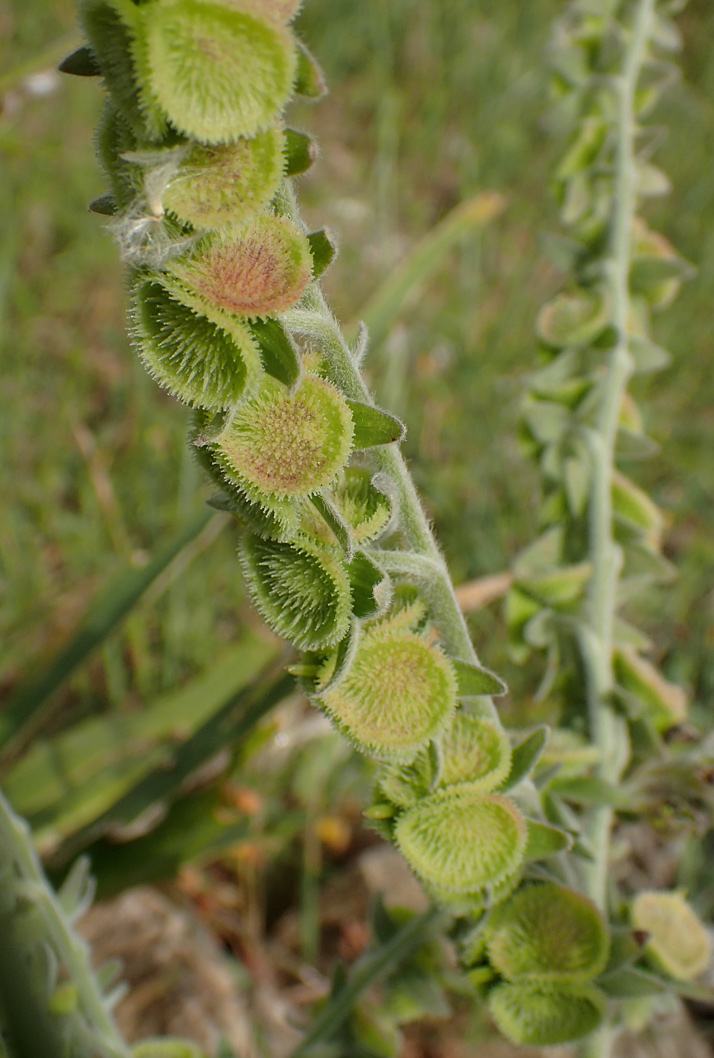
(382,309)
(105,613)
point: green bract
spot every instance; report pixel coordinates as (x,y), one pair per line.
(261,269)
(217,71)
(542,1015)
(476,750)
(225,185)
(461,840)
(678,942)
(193,357)
(547,932)
(399,693)
(301,589)
(283,445)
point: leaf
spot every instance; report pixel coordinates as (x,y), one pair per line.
(299,151)
(632,444)
(544,841)
(648,356)
(589,790)
(559,586)
(105,613)
(279,355)
(628,983)
(81,63)
(339,528)
(309,78)
(323,249)
(105,206)
(77,892)
(373,426)
(371,587)
(573,318)
(525,757)
(547,421)
(652,269)
(474,680)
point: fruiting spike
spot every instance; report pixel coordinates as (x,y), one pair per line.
(399,694)
(547,932)
(300,588)
(461,840)
(217,71)
(225,185)
(477,751)
(678,942)
(192,357)
(541,1015)
(287,445)
(260,270)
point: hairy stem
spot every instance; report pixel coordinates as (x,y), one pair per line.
(17,850)
(607,732)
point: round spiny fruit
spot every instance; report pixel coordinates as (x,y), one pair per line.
(218,72)
(224,185)
(399,693)
(477,751)
(366,510)
(678,942)
(542,1015)
(460,840)
(189,355)
(301,589)
(284,444)
(260,270)
(546,931)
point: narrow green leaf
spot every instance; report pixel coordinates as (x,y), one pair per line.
(371,588)
(105,206)
(628,983)
(279,355)
(299,152)
(544,841)
(323,250)
(338,526)
(309,79)
(475,681)
(589,790)
(81,63)
(106,611)
(525,757)
(648,356)
(374,426)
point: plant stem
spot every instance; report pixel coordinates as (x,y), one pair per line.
(17,850)
(605,729)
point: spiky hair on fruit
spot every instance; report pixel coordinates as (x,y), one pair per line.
(300,588)
(282,445)
(547,932)
(460,840)
(678,942)
(399,694)
(546,1015)
(259,270)
(197,359)
(225,185)
(218,71)
(476,750)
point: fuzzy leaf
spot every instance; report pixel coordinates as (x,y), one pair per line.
(474,680)
(525,757)
(629,983)
(277,351)
(374,426)
(309,78)
(81,63)
(299,152)
(544,841)
(339,529)
(323,249)
(648,356)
